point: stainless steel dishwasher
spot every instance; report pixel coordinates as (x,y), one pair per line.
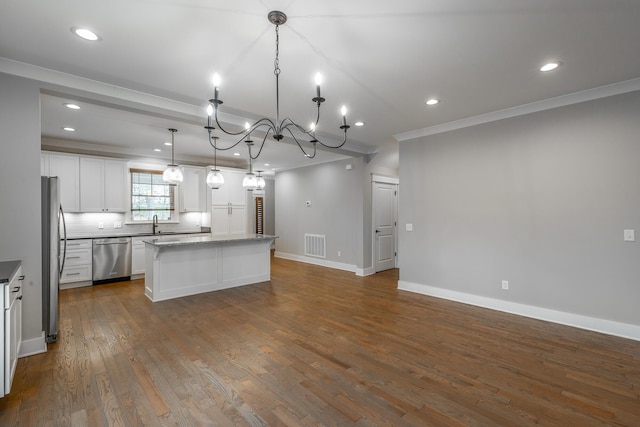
(111,259)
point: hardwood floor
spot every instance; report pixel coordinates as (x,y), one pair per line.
(316,346)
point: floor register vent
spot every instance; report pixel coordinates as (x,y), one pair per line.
(315,245)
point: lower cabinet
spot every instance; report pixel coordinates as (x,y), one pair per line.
(78,263)
(12,330)
(137,255)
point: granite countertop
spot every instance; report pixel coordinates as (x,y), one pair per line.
(159,234)
(181,241)
(8,269)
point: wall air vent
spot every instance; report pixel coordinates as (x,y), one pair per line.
(315,245)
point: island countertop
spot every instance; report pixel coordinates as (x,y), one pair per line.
(203,240)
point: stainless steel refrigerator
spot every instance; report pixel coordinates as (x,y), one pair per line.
(53,254)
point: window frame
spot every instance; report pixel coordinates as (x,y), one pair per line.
(173,198)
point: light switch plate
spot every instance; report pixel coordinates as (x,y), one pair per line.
(629,235)
(408,227)
(117,224)
(100,225)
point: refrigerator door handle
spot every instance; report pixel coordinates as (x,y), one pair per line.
(64,253)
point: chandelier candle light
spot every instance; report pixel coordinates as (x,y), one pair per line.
(278,128)
(172,174)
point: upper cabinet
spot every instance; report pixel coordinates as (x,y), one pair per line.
(232,192)
(67,168)
(102,185)
(193,190)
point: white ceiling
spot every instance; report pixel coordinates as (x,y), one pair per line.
(381,59)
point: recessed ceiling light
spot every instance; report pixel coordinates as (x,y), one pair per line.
(168,144)
(85,33)
(266,164)
(359,124)
(236,154)
(68,129)
(432,101)
(72,106)
(550,66)
(157,150)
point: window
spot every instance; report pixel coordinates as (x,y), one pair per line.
(150,196)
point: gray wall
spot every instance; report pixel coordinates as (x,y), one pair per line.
(336,209)
(20,191)
(540,200)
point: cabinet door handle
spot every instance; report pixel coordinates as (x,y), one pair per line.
(21,277)
(73,257)
(16,289)
(73,274)
(20,297)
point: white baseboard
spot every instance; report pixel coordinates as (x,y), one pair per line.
(316,261)
(33,346)
(624,330)
(365,271)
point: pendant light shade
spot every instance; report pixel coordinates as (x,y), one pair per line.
(250,181)
(215,179)
(261,183)
(172,174)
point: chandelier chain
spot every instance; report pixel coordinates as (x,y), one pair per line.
(276,62)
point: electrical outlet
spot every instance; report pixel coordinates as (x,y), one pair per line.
(339,253)
(100,225)
(505,285)
(117,224)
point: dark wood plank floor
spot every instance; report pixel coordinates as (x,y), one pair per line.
(317,346)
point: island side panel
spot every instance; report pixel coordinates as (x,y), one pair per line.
(149,255)
(246,262)
(186,270)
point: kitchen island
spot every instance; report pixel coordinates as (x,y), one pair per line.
(177,267)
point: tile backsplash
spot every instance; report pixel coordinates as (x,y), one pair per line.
(88,224)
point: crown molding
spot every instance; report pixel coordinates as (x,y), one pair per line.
(521,110)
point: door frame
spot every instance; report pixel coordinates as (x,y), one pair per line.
(383,179)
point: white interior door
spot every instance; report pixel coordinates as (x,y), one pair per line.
(384,222)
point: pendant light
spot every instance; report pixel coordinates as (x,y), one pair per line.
(214,177)
(172,174)
(261,183)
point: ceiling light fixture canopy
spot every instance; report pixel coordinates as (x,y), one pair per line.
(172,174)
(279,128)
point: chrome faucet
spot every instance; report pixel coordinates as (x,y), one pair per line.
(155,224)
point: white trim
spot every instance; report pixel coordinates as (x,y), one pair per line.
(365,271)
(33,346)
(385,179)
(546,104)
(316,261)
(624,330)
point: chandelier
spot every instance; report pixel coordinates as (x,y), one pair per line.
(278,128)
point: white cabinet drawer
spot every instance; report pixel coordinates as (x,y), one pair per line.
(78,257)
(77,244)
(76,273)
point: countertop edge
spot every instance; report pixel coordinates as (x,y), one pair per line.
(206,240)
(8,270)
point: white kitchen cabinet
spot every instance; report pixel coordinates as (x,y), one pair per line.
(137,255)
(78,263)
(102,185)
(229,205)
(67,168)
(232,191)
(193,190)
(228,219)
(10,329)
